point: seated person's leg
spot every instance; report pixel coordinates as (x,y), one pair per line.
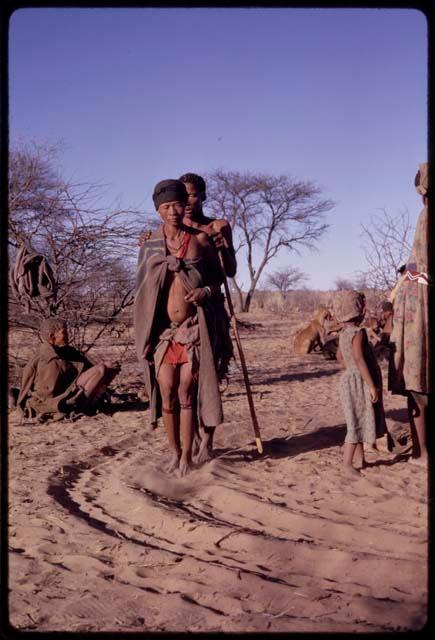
(94,381)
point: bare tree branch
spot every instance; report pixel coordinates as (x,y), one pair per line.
(387,244)
(267,214)
(90,247)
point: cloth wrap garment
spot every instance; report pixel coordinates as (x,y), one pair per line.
(152,269)
(409,363)
(31,276)
(365,420)
(49,378)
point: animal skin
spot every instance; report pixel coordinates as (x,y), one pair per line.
(308,338)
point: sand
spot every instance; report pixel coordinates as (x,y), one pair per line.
(101,539)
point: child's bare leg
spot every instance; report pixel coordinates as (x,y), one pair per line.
(185,395)
(417,420)
(168,382)
(348,453)
(358,456)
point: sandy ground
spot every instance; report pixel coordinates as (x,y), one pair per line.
(102,540)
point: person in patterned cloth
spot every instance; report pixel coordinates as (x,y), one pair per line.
(361,381)
(409,366)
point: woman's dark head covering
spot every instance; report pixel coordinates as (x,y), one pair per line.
(169,190)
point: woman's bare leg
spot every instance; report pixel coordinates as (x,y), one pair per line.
(417,421)
(186,391)
(168,382)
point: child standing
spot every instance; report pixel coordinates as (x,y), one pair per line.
(361,382)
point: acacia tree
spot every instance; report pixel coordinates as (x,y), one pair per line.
(87,245)
(286,279)
(387,242)
(343,284)
(267,214)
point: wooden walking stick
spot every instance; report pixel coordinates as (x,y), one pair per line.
(242,359)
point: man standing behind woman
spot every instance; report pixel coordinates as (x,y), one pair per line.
(220,233)
(409,365)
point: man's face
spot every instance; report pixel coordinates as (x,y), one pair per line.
(172,212)
(194,202)
(60,337)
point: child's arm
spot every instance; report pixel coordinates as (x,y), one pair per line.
(358,353)
(340,358)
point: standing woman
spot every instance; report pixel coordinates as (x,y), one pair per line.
(409,366)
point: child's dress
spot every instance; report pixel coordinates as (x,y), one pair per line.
(365,420)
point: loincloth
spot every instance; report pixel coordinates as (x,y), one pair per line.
(176,353)
(179,344)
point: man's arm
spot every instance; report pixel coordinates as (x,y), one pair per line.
(222,237)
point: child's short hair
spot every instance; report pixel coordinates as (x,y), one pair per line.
(49,326)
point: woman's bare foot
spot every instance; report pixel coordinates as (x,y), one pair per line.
(185,465)
(173,462)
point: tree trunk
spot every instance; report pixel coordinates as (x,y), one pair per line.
(238,303)
(248,300)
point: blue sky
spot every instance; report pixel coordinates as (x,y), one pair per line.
(337,96)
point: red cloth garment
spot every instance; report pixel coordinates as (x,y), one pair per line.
(176,353)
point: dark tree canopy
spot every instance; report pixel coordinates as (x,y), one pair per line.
(285,279)
(343,284)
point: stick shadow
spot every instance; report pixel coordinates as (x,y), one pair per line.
(289,446)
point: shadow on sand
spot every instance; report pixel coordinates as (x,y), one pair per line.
(289,446)
(399,415)
(300,377)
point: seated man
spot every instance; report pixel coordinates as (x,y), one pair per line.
(170,321)
(59,378)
